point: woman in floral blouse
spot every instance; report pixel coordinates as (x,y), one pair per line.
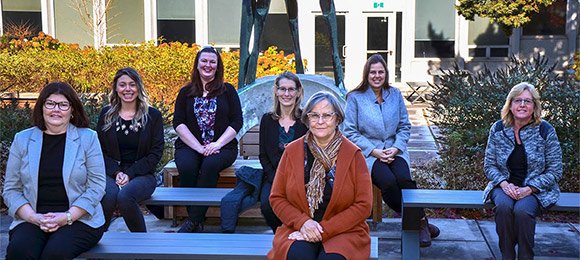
(207,118)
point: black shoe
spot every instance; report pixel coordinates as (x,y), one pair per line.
(190,227)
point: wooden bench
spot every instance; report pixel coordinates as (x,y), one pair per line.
(249,147)
(416,198)
(188,246)
(227,179)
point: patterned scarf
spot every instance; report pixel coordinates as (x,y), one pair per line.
(324,159)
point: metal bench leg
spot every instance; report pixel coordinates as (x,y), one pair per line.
(410,244)
(410,232)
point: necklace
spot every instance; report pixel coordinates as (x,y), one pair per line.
(123,127)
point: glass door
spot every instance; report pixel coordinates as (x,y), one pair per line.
(381,39)
(323,48)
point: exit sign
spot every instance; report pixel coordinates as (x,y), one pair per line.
(379,5)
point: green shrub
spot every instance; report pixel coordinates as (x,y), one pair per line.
(465,106)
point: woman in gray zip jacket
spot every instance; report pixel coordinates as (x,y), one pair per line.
(523,162)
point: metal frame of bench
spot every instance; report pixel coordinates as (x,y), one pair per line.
(188,246)
(417,198)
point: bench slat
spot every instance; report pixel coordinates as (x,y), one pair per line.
(187,196)
(416,198)
(188,246)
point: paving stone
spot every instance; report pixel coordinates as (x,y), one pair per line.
(552,240)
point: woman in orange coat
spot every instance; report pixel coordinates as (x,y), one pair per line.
(322,191)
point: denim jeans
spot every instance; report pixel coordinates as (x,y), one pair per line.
(127,199)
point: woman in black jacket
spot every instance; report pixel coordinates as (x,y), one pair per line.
(207,118)
(131,136)
(279,127)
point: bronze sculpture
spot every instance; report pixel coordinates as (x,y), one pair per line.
(254,14)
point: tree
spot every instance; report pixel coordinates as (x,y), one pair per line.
(93,14)
(509,14)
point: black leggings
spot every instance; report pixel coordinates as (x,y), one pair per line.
(303,250)
(271,219)
(28,241)
(196,170)
(391,178)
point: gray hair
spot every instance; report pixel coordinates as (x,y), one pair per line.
(315,99)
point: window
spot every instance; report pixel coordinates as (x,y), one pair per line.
(224,22)
(176,20)
(486,39)
(322,45)
(277,33)
(68,24)
(550,21)
(20,14)
(126,21)
(434,28)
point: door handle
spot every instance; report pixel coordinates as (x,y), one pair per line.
(390,53)
(344,51)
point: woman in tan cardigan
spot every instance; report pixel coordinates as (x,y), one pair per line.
(322,191)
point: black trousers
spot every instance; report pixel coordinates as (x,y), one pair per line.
(196,170)
(271,219)
(127,199)
(28,241)
(303,250)
(391,178)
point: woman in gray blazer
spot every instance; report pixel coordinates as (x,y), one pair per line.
(55,179)
(377,121)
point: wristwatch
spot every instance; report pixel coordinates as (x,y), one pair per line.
(69,220)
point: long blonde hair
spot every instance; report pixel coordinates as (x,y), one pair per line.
(142,113)
(506,112)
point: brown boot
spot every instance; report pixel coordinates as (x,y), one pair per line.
(434,230)
(424,234)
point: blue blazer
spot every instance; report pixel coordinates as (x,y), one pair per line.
(83,172)
(372,126)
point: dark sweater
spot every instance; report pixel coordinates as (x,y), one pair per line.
(229,113)
(51,192)
(149,151)
(270,152)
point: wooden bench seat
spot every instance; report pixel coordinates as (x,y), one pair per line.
(228,177)
(417,198)
(188,246)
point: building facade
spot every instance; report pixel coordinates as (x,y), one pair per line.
(416,37)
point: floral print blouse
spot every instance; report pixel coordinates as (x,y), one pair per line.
(205,110)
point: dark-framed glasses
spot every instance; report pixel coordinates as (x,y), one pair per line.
(315,117)
(523,101)
(62,106)
(283,90)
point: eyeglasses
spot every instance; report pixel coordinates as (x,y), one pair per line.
(290,90)
(63,106)
(315,117)
(524,101)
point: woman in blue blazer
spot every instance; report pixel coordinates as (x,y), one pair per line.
(55,179)
(377,121)
(131,136)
